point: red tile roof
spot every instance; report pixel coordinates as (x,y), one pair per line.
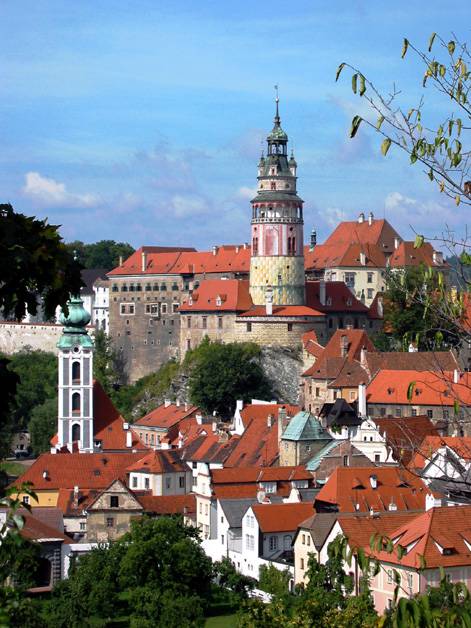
(288,311)
(461,445)
(246,482)
(261,411)
(411,361)
(165,416)
(430,389)
(441,536)
(87,471)
(160,461)
(404,435)
(227,258)
(35,530)
(281,517)
(330,363)
(350,489)
(339,298)
(72,507)
(311,344)
(407,255)
(359,528)
(219,295)
(380,232)
(168,504)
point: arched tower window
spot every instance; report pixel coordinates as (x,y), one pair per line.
(76,403)
(76,371)
(75,432)
(255,246)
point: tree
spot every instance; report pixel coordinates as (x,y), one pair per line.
(102,254)
(108,366)
(228,577)
(222,373)
(43,425)
(274,581)
(440,148)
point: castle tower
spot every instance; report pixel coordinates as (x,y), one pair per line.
(75,411)
(277,261)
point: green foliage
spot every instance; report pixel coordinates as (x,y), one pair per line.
(34,264)
(228,577)
(274,581)
(222,373)
(102,254)
(37,372)
(156,575)
(43,425)
(108,365)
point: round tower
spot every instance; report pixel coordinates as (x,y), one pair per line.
(277,261)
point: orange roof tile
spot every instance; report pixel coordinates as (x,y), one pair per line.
(165,416)
(219,295)
(359,528)
(380,232)
(431,388)
(404,435)
(35,530)
(331,362)
(339,298)
(281,517)
(168,504)
(311,344)
(442,536)
(461,445)
(350,489)
(160,461)
(407,255)
(87,471)
(268,474)
(288,311)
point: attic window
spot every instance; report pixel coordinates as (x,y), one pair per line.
(96,472)
(218,301)
(390,391)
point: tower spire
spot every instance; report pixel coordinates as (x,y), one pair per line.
(277,114)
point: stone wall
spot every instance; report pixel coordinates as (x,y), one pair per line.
(284,274)
(274,332)
(17,336)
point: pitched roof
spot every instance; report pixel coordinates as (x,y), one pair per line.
(411,361)
(442,536)
(168,504)
(89,276)
(404,435)
(180,260)
(219,295)
(461,445)
(351,488)
(209,447)
(166,415)
(305,426)
(235,509)
(379,232)
(360,527)
(319,525)
(407,254)
(261,411)
(160,461)
(311,344)
(288,311)
(339,298)
(245,483)
(430,388)
(339,414)
(346,255)
(281,517)
(87,471)
(344,346)
(36,530)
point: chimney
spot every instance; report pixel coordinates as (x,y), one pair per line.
(380,307)
(456,376)
(281,422)
(269,420)
(167,402)
(313,240)
(199,419)
(374,481)
(236,249)
(177,403)
(214,427)
(370,218)
(363,354)
(432,502)
(361,218)
(76,496)
(343,346)
(362,400)
(397,242)
(187,406)
(322,292)
(129,439)
(215,250)
(412,348)
(120,260)
(392,506)
(144,261)
(362,258)
(269,301)
(246,245)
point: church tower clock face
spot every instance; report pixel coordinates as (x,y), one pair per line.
(277,260)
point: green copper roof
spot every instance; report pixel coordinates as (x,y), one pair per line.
(305,426)
(277,134)
(75,323)
(314,462)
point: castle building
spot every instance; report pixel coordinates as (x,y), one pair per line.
(277,261)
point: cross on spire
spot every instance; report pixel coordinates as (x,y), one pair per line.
(277,100)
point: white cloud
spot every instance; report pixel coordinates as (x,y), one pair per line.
(52,193)
(333,215)
(246,192)
(184,206)
(396,200)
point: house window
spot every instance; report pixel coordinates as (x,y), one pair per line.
(269,487)
(122,308)
(318,391)
(222,539)
(188,322)
(350,280)
(430,414)
(204,320)
(446,414)
(398,412)
(83,526)
(370,293)
(152,309)
(206,509)
(414,412)
(219,322)
(25,499)
(369,277)
(382,411)
(249,326)
(134,481)
(301,563)
(181,482)
(163,308)
(345,461)
(109,522)
(273,543)
(390,576)
(377,458)
(114,501)
(146,483)
(168,483)
(250,521)
(303,539)
(249,541)
(290,326)
(308,539)
(188,344)
(175,307)
(131,308)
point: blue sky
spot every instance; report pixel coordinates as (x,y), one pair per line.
(142,121)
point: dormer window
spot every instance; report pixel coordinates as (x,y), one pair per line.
(218,301)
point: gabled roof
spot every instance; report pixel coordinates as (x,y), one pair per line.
(441,536)
(350,489)
(319,526)
(426,450)
(360,527)
(405,435)
(379,232)
(344,346)
(36,530)
(305,426)
(407,254)
(159,461)
(411,361)
(314,462)
(87,471)
(235,509)
(430,388)
(339,414)
(261,411)
(89,276)
(209,447)
(339,298)
(285,311)
(311,344)
(281,517)
(117,486)
(168,504)
(252,475)
(219,295)
(166,415)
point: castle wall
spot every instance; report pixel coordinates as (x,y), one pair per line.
(274,333)
(284,274)
(17,336)
(194,327)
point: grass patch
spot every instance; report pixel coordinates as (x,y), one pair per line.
(12,468)
(221,621)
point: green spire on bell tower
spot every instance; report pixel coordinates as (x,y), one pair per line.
(75,323)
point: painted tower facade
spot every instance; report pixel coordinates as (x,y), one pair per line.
(75,411)
(277,262)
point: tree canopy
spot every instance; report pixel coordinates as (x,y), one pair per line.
(102,254)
